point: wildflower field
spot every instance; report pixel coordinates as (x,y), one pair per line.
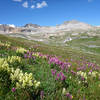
(30,71)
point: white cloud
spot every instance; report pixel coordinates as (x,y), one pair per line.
(33,6)
(17,0)
(41,5)
(25,4)
(90,0)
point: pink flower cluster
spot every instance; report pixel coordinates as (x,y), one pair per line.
(69,96)
(59,75)
(56,61)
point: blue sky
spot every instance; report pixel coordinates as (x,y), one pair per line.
(49,12)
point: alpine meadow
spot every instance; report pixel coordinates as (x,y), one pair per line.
(49,50)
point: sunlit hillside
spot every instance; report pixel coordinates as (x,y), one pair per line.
(31,70)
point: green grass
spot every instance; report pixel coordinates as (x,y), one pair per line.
(82,44)
(41,70)
(64,52)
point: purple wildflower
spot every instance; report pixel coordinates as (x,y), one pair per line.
(91,71)
(63,77)
(83,97)
(53,72)
(74,73)
(25,55)
(70,97)
(13,89)
(58,76)
(82,78)
(29,56)
(28,52)
(67,94)
(66,60)
(42,94)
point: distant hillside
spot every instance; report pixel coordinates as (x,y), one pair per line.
(34,28)
(59,35)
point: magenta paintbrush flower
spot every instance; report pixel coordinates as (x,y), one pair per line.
(13,89)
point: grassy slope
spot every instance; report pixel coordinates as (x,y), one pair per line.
(83,44)
(64,52)
(42,71)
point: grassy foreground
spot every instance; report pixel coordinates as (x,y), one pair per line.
(31,70)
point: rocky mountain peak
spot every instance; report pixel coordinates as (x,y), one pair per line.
(72,25)
(30,25)
(7,28)
(71,22)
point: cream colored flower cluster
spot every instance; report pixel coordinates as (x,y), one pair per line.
(37,54)
(64,91)
(82,74)
(21,50)
(4,65)
(7,44)
(23,79)
(13,59)
(94,74)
